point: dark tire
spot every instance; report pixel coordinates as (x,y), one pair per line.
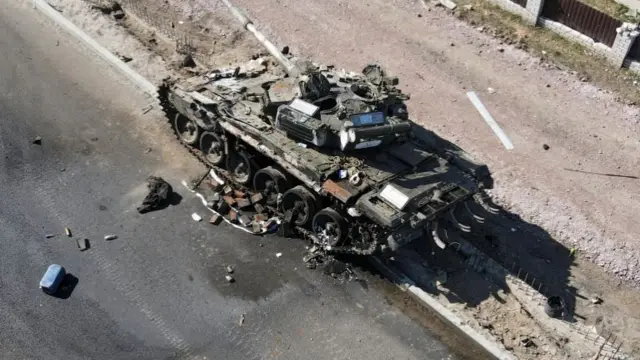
(302,202)
(212,146)
(270,182)
(188,131)
(330,227)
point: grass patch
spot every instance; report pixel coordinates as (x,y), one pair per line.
(585,62)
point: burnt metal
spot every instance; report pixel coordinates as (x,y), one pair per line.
(313,139)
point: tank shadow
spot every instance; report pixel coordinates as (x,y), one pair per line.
(522,249)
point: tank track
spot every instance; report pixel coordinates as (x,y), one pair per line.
(170,113)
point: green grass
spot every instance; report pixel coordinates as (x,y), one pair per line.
(550,46)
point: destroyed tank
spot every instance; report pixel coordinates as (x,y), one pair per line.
(334,153)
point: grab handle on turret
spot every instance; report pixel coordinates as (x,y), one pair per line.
(247,24)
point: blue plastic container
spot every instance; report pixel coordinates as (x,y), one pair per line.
(52,278)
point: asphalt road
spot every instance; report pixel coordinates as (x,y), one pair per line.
(158,291)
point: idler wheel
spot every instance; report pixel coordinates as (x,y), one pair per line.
(270,182)
(187,129)
(330,227)
(239,167)
(212,145)
(301,203)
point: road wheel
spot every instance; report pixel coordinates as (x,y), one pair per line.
(330,227)
(270,182)
(301,202)
(239,167)
(212,146)
(188,131)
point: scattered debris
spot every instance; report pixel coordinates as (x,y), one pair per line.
(229,278)
(124,58)
(37,140)
(158,196)
(196,217)
(67,231)
(278,255)
(545,146)
(215,219)
(83,244)
(118,15)
(108,8)
(448,4)
(229,269)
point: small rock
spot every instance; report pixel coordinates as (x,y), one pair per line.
(285,50)
(419,15)
(67,231)
(37,140)
(548,85)
(468,7)
(118,15)
(147,150)
(501,50)
(49,236)
(545,146)
(491,90)
(110,237)
(188,61)
(229,269)
(83,244)
(596,300)
(196,217)
(278,255)
(241,321)
(452,44)
(230,278)
(481,28)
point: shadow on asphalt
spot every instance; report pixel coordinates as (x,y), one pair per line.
(68,284)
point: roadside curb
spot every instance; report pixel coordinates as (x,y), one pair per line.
(145,85)
(402,281)
(397,277)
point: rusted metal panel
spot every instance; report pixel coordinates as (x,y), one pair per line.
(583,18)
(338,191)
